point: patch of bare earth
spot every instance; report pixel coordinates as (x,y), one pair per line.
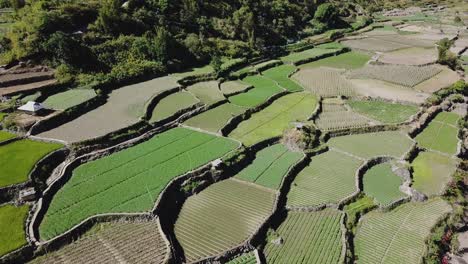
(24,78)
(442,80)
(410,56)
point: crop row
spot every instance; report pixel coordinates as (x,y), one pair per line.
(325,82)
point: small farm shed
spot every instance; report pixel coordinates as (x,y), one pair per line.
(32,107)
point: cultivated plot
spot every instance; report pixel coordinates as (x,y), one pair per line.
(308,237)
(366,146)
(246,258)
(280,74)
(130,180)
(373,44)
(270,166)
(410,56)
(398,236)
(382,184)
(125,106)
(264,88)
(441,134)
(328,179)
(234,87)
(308,54)
(432,172)
(273,120)
(12,228)
(326,82)
(349,61)
(4,136)
(68,99)
(336,115)
(115,242)
(225,215)
(385,112)
(20,157)
(215,119)
(173,104)
(207,92)
(442,80)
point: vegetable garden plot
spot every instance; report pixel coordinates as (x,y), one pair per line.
(385,112)
(308,237)
(173,104)
(280,75)
(410,56)
(366,146)
(263,89)
(382,184)
(270,166)
(4,136)
(130,180)
(12,227)
(207,92)
(246,258)
(221,217)
(350,60)
(215,119)
(441,134)
(18,158)
(398,236)
(273,120)
(329,178)
(307,54)
(124,108)
(325,82)
(432,172)
(68,99)
(232,87)
(335,117)
(405,75)
(115,242)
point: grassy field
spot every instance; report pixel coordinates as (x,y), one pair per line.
(441,134)
(385,112)
(432,172)
(68,99)
(232,87)
(132,179)
(207,92)
(389,143)
(329,178)
(12,228)
(307,54)
(350,61)
(308,237)
(325,82)
(397,236)
(19,158)
(382,184)
(172,104)
(280,75)
(4,136)
(246,258)
(134,242)
(124,107)
(263,89)
(270,166)
(215,119)
(273,120)
(357,208)
(225,215)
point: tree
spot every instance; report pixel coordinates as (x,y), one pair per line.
(446,57)
(327,14)
(216,63)
(109,16)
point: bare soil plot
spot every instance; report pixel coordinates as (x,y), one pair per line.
(442,80)
(124,108)
(410,56)
(326,82)
(10,90)
(207,92)
(115,242)
(384,90)
(221,217)
(215,119)
(233,87)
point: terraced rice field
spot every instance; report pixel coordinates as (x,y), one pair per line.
(373,44)
(4,136)
(442,80)
(388,143)
(246,258)
(410,56)
(256,67)
(350,60)
(233,87)
(270,166)
(225,215)
(307,54)
(338,116)
(263,89)
(441,134)
(398,236)
(215,119)
(173,104)
(68,99)
(207,92)
(328,179)
(280,74)
(404,75)
(325,82)
(12,227)
(382,184)
(20,157)
(124,108)
(358,208)
(130,180)
(314,237)
(432,172)
(273,120)
(385,112)
(115,242)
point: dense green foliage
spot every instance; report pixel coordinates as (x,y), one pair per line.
(12,227)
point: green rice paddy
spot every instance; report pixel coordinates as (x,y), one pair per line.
(68,99)
(172,104)
(12,227)
(385,112)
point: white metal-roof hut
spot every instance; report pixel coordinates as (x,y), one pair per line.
(32,107)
